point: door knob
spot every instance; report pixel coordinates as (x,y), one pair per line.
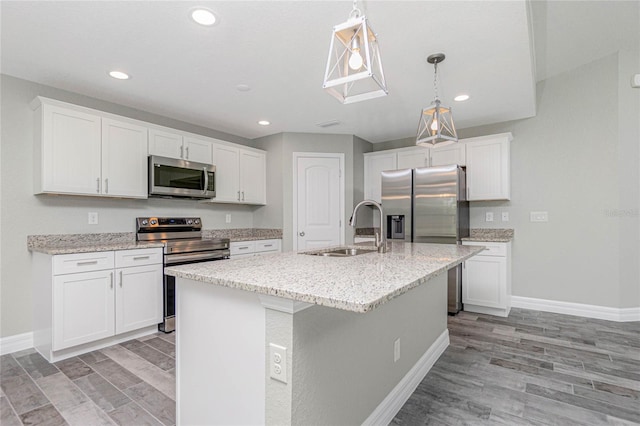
(301,234)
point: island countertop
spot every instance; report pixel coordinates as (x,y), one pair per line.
(357,283)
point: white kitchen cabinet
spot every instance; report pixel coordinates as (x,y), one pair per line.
(240,249)
(165,143)
(86,301)
(449,154)
(240,175)
(413,159)
(486,279)
(77,151)
(374,164)
(488,167)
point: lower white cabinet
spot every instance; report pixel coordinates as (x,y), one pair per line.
(89,297)
(486,279)
(240,249)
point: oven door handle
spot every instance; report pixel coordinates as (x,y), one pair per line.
(178,258)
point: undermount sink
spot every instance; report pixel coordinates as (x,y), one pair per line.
(341,252)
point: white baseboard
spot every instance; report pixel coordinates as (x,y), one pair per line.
(18,342)
(577,309)
(389,407)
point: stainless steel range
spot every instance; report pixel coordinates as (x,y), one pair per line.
(183,244)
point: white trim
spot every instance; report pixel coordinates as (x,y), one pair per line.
(389,407)
(15,343)
(577,309)
(283,305)
(296,155)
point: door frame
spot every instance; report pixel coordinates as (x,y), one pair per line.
(296,156)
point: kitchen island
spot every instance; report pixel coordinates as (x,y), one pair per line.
(299,339)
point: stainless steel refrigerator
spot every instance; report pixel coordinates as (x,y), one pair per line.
(429,205)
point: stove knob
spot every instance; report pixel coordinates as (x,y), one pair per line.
(154,222)
(145,222)
(189,222)
(197,221)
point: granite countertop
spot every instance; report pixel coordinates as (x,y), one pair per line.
(86,243)
(490,235)
(357,284)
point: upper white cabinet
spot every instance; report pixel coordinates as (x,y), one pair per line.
(240,175)
(486,159)
(488,167)
(165,143)
(79,152)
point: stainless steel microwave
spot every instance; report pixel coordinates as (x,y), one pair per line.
(169,177)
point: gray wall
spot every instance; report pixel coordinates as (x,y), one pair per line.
(23,213)
(280,150)
(578,160)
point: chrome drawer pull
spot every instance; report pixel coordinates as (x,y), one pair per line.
(243,248)
(89,262)
(141,257)
(268,245)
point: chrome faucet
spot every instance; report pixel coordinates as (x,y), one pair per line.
(381,235)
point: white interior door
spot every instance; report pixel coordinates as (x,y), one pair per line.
(318,200)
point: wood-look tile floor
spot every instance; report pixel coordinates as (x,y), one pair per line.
(532,368)
(132,383)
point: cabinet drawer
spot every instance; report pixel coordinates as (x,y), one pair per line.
(138,257)
(82,262)
(491,249)
(242,247)
(267,245)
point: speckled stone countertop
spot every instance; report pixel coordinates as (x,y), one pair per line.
(357,284)
(86,243)
(243,234)
(490,235)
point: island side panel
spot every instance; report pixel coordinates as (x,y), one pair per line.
(343,362)
(220,355)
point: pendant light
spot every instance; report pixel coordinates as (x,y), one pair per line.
(435,127)
(354,68)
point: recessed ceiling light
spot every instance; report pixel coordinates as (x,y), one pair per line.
(203,17)
(461,98)
(119,75)
(243,87)
(264,122)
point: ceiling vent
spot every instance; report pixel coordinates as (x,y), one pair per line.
(328,123)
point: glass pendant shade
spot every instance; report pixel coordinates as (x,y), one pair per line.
(354,68)
(436,126)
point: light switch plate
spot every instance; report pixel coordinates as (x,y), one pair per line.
(505,216)
(539,217)
(228,218)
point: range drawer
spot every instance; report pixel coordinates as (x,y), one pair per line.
(138,257)
(491,249)
(82,262)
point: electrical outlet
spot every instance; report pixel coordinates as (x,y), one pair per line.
(505,216)
(278,362)
(228,218)
(488,217)
(93,218)
(396,350)
(539,217)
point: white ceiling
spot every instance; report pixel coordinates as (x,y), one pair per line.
(279,49)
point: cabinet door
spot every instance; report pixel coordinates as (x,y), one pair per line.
(415,158)
(138,297)
(253,188)
(375,164)
(83,308)
(227,160)
(485,281)
(198,150)
(488,174)
(165,144)
(70,157)
(450,154)
(124,159)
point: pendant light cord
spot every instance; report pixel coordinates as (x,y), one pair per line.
(435,78)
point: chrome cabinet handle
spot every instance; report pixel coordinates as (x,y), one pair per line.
(106,186)
(302,234)
(238,195)
(89,262)
(242,195)
(140,258)
(98,185)
(187,153)
(111,279)
(120,279)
